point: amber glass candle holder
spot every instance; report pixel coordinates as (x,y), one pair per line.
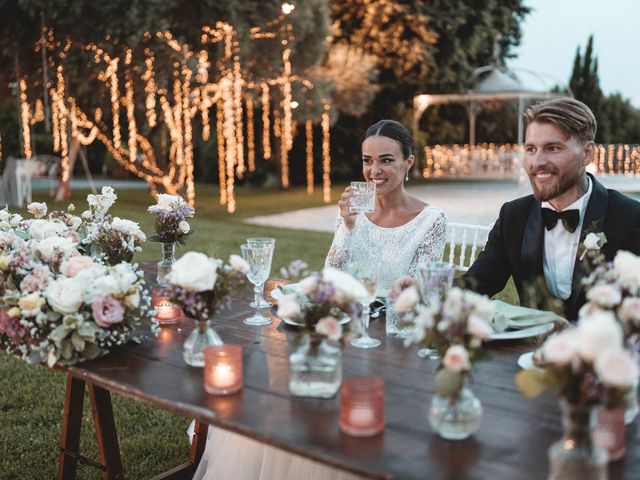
(167,312)
(362,406)
(223,369)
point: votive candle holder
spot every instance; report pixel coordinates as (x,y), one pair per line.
(167,312)
(362,406)
(223,369)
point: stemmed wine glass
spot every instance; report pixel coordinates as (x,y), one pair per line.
(369,277)
(436,280)
(258,252)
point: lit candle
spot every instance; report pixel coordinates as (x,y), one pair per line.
(167,312)
(223,376)
(223,369)
(362,416)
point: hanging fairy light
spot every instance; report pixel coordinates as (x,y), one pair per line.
(266,128)
(149,88)
(222,171)
(309,135)
(251,153)
(326,156)
(25,117)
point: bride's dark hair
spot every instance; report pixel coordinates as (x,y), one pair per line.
(395,131)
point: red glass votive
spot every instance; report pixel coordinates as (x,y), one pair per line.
(362,406)
(167,312)
(223,369)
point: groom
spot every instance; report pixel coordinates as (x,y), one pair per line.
(537,239)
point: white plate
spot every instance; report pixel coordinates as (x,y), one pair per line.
(524,333)
(293,323)
(525,361)
(277,293)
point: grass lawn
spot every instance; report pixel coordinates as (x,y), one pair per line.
(151,441)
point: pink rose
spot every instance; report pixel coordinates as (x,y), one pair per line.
(456,359)
(36,281)
(107,311)
(616,368)
(606,296)
(330,327)
(562,348)
(407,299)
(400,284)
(76,264)
(630,310)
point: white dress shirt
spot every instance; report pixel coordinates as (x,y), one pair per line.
(561,249)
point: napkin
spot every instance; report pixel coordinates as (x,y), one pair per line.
(512,317)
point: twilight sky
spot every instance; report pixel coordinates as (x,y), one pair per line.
(555,28)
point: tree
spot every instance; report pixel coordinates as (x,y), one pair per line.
(585,83)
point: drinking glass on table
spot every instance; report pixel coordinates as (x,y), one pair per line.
(369,277)
(258,252)
(436,279)
(364,197)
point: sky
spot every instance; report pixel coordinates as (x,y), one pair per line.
(556,28)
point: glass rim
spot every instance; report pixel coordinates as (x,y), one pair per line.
(260,240)
(436,265)
(363,384)
(225,350)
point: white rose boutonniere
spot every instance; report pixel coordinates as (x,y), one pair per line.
(593,241)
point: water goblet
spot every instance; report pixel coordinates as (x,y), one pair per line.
(364,198)
(259,257)
(369,277)
(436,279)
(261,241)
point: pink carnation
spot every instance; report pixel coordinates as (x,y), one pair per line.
(11,327)
(107,311)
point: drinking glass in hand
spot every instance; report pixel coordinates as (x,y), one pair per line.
(364,198)
(436,279)
(258,252)
(368,276)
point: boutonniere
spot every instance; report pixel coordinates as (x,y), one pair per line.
(593,242)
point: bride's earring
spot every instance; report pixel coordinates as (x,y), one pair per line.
(406,176)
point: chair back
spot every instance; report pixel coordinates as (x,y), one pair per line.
(465,242)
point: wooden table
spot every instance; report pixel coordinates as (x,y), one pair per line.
(511,443)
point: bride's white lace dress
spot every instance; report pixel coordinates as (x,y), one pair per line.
(397,250)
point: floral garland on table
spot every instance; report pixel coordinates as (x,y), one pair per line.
(455,328)
(171,214)
(322,299)
(56,304)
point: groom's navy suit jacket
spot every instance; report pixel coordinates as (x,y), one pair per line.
(516,243)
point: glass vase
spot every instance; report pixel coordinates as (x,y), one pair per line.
(168,259)
(631,412)
(574,456)
(315,369)
(455,417)
(201,337)
(609,433)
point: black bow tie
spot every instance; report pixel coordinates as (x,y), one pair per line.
(569,218)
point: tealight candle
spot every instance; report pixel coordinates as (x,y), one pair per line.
(362,406)
(223,369)
(167,313)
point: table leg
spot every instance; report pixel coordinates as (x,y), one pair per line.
(106,432)
(71,423)
(186,470)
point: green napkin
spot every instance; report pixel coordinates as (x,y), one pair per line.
(512,317)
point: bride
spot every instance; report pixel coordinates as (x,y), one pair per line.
(401,233)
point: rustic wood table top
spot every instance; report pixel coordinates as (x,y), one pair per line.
(511,443)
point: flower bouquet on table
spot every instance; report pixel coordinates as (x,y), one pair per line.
(455,329)
(321,310)
(57,305)
(586,366)
(171,214)
(200,285)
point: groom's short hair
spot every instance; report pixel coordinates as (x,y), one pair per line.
(571,116)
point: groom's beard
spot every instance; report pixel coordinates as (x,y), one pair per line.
(561,183)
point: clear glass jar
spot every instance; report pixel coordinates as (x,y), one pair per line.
(201,337)
(631,412)
(168,259)
(315,369)
(574,456)
(455,417)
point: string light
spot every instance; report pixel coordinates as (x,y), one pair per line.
(309,132)
(326,155)
(25,117)
(251,154)
(266,128)
(222,173)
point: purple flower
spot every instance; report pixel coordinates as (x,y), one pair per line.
(107,311)
(11,327)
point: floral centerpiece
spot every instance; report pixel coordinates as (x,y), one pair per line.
(454,330)
(56,304)
(200,285)
(319,309)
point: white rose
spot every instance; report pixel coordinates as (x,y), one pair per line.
(30,304)
(562,348)
(589,309)
(616,368)
(478,327)
(65,295)
(194,271)
(4,215)
(288,307)
(406,299)
(15,219)
(239,264)
(626,265)
(101,286)
(604,295)
(456,359)
(41,228)
(481,305)
(124,275)
(592,242)
(598,333)
(37,209)
(184,227)
(347,287)
(169,200)
(329,327)
(629,311)
(309,284)
(128,227)
(132,301)
(454,302)
(49,246)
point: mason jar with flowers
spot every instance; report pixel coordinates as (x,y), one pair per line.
(455,330)
(200,285)
(321,311)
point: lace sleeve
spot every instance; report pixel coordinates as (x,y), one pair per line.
(339,253)
(431,248)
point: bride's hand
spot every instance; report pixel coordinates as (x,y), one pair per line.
(348,218)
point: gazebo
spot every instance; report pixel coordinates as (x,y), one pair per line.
(493,82)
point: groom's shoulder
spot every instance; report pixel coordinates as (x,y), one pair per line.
(622,204)
(518,205)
